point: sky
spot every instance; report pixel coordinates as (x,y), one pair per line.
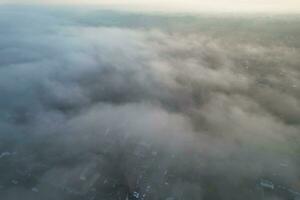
(281,6)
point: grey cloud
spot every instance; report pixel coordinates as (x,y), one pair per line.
(103,111)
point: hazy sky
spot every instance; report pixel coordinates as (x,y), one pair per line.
(287,6)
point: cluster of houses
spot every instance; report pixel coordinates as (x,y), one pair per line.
(269,187)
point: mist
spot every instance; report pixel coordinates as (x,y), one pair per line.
(101,104)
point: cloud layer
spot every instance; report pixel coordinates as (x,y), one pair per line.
(101,105)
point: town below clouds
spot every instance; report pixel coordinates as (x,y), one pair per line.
(100,104)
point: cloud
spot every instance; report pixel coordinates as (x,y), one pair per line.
(93,110)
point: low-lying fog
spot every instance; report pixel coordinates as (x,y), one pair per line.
(104,105)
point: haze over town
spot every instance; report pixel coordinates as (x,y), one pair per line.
(140,100)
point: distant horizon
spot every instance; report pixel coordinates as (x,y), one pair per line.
(177,6)
(154,12)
